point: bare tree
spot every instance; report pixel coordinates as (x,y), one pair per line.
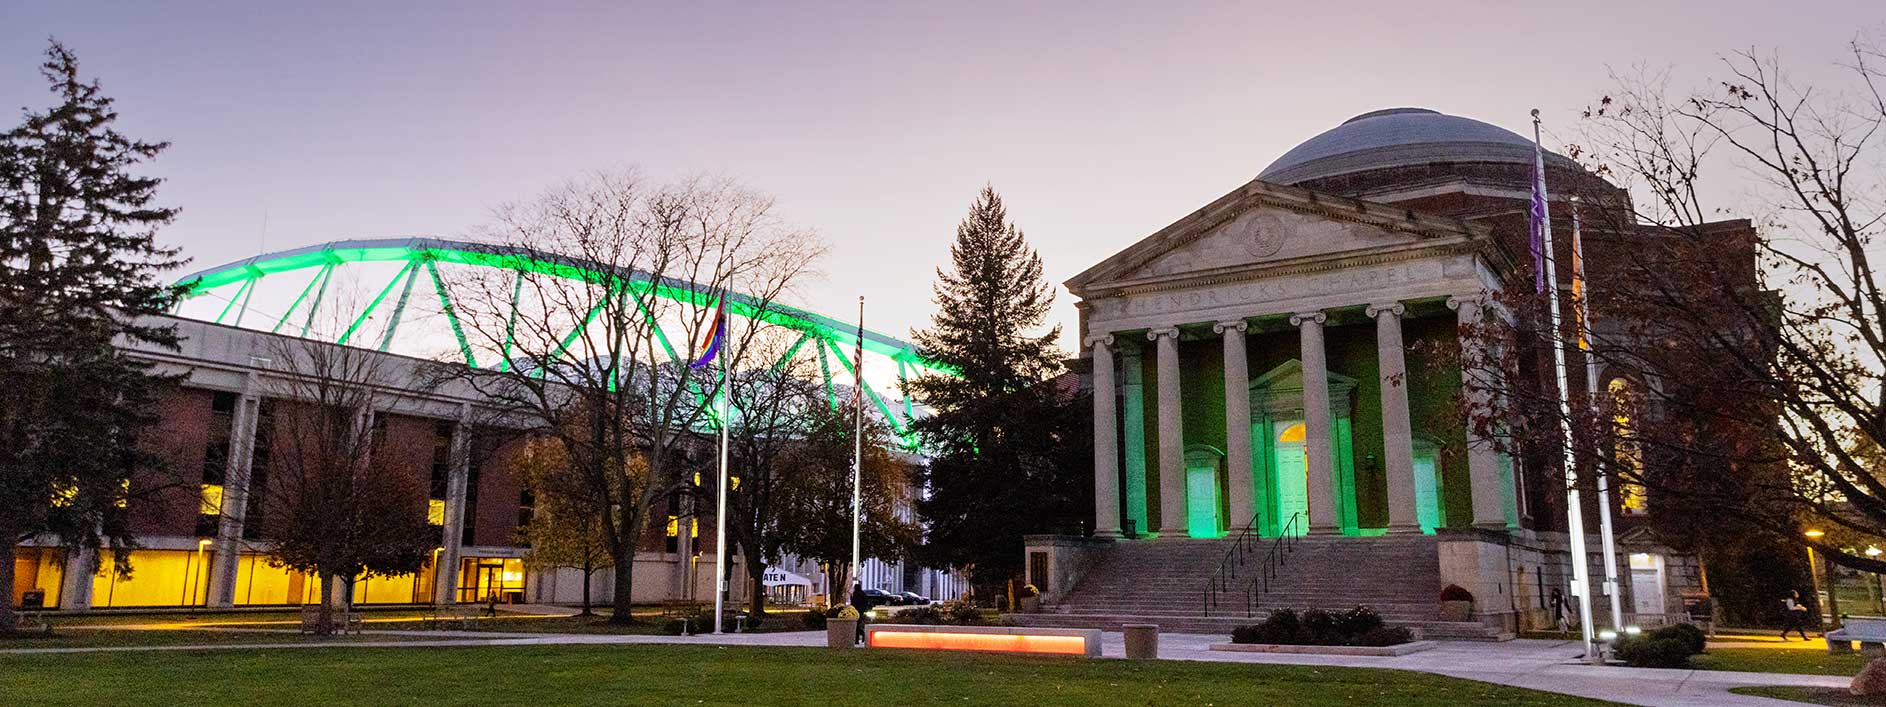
(615,287)
(336,508)
(1739,364)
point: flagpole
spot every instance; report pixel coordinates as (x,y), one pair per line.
(857,454)
(1574,508)
(1581,294)
(720,484)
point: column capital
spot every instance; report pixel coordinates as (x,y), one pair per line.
(1394,308)
(1455,302)
(1097,339)
(1154,334)
(1225,326)
(1300,317)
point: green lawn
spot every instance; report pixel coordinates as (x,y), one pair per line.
(1779,660)
(744,676)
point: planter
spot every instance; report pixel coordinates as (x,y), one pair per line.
(841,633)
(1031,604)
(1456,611)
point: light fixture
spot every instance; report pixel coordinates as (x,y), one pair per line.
(1632,630)
(1872,551)
(1814,533)
(1607,636)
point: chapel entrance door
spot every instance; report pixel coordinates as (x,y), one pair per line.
(1292,465)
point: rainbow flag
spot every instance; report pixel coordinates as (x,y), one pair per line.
(716,335)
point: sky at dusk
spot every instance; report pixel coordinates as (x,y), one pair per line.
(873,124)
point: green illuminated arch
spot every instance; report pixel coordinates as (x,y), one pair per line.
(419,258)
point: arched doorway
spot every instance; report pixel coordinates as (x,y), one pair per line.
(1292,464)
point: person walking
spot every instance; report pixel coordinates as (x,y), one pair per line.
(1796,619)
(862,602)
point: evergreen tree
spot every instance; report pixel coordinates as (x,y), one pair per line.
(1006,441)
(78,264)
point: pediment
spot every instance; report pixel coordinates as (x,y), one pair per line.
(1261,225)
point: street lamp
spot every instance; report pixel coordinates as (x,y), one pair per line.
(1833,603)
(1878,588)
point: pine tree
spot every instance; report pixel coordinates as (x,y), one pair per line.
(1005,441)
(78,265)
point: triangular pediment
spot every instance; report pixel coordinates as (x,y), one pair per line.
(1288,377)
(1261,225)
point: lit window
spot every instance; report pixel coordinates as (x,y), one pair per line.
(1625,450)
(735,482)
(694,527)
(435,512)
(674,526)
(1293,433)
(212,500)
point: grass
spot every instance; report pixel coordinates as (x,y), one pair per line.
(1779,660)
(1832,696)
(678,674)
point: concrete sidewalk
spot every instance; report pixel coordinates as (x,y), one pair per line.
(1552,666)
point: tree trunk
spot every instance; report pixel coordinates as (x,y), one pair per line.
(8,621)
(622,605)
(756,596)
(324,624)
(589,569)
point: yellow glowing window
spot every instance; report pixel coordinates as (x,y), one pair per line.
(435,512)
(733,483)
(212,500)
(694,527)
(1293,433)
(64,495)
(697,478)
(674,526)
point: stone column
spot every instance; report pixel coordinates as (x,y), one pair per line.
(1397,431)
(1483,465)
(1319,430)
(445,574)
(1106,441)
(1237,424)
(1171,435)
(235,508)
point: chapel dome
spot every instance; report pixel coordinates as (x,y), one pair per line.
(1401,137)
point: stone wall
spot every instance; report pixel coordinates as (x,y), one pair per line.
(1055,563)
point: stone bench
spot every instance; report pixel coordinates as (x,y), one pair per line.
(1868,631)
(1001,639)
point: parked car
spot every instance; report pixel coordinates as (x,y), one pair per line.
(915,599)
(880,597)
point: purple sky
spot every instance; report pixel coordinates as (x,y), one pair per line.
(874,123)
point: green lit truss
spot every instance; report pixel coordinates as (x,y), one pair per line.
(230,290)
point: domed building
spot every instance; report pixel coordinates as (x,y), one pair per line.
(1283,362)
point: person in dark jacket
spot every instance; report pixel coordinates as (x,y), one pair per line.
(862,602)
(1795,616)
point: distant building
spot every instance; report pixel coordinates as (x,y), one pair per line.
(1262,362)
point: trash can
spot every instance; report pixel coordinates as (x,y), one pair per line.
(1142,641)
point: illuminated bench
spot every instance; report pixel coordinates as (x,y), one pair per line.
(1003,639)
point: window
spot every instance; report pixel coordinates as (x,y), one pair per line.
(1627,456)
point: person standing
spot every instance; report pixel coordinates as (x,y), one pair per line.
(1796,619)
(862,602)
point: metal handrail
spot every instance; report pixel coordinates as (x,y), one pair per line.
(1275,556)
(1227,569)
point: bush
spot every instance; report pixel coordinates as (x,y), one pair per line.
(814,619)
(1691,636)
(1360,626)
(1454,592)
(949,613)
(1654,651)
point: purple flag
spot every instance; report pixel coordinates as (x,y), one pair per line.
(716,334)
(1540,218)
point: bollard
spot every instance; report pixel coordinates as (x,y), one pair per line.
(1142,641)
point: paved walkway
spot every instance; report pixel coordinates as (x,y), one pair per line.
(1550,665)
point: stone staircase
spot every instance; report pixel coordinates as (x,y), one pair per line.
(1163,582)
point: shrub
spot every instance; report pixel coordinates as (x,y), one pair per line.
(842,611)
(1691,636)
(1654,651)
(1454,592)
(1360,626)
(814,619)
(674,627)
(949,613)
